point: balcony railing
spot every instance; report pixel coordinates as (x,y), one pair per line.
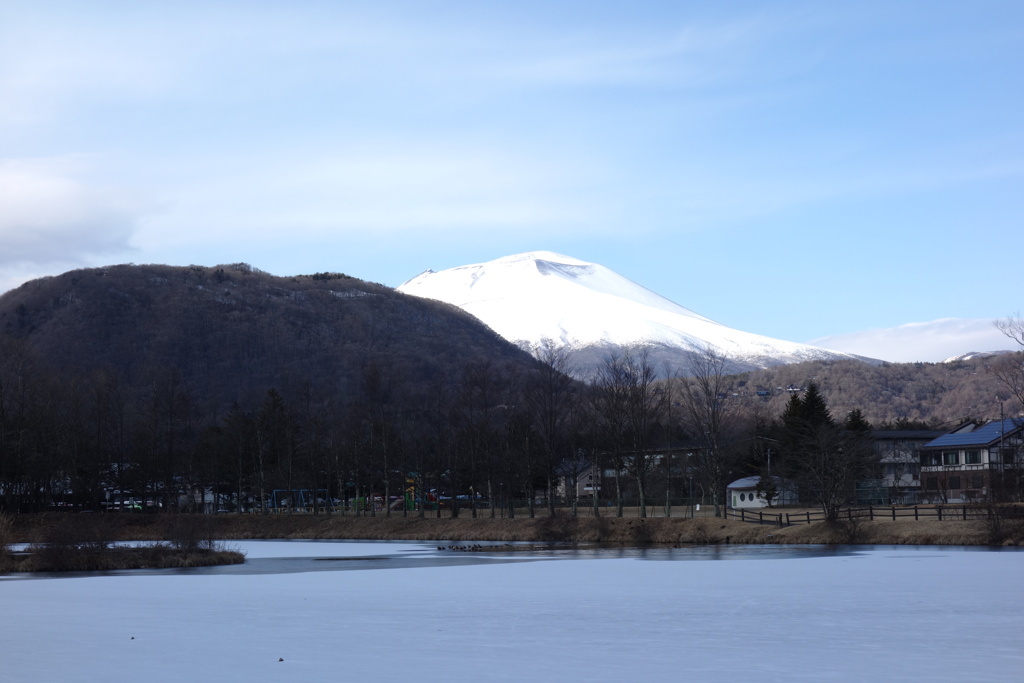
(960,468)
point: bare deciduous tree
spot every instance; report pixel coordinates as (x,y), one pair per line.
(1008,370)
(1013,327)
(549,394)
(711,419)
(626,407)
(645,404)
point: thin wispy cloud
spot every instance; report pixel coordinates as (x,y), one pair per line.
(49,214)
(932,341)
(382,189)
(660,57)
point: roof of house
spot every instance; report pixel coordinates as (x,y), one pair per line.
(751,482)
(985,435)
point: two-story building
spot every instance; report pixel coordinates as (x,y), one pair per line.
(898,453)
(973,462)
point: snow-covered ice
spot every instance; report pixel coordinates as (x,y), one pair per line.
(765,614)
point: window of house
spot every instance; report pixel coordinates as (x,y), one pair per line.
(951,458)
(977,481)
(972,457)
(954,483)
(931,459)
(932,483)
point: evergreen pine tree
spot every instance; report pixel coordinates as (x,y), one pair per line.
(814,410)
(827,459)
(856,424)
(794,411)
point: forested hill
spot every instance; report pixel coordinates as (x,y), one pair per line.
(942,394)
(231,332)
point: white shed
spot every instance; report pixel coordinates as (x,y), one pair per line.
(742,493)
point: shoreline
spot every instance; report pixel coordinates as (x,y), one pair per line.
(110,527)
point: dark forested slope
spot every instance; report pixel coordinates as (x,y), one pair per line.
(234,331)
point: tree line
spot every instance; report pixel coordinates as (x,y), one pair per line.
(487,439)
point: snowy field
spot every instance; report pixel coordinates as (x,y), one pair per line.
(408,612)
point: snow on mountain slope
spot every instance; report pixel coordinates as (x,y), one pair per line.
(537,296)
(971,355)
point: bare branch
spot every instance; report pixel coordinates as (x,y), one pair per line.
(1013,327)
(1008,370)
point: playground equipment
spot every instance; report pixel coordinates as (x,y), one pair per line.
(300,500)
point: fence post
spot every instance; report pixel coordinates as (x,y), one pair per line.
(760,517)
(915,513)
(939,508)
(894,513)
(965,513)
(808,516)
(871,513)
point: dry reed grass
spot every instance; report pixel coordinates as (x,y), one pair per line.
(65,542)
(154,556)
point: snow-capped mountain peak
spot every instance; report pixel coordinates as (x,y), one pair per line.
(540,295)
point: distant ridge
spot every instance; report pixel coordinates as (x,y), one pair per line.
(542,297)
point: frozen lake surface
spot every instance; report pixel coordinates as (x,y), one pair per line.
(407,611)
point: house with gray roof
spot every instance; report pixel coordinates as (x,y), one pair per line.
(973,463)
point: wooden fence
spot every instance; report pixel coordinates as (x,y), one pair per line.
(874,513)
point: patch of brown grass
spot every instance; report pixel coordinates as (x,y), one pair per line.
(908,532)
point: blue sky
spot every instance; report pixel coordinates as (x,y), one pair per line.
(842,173)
